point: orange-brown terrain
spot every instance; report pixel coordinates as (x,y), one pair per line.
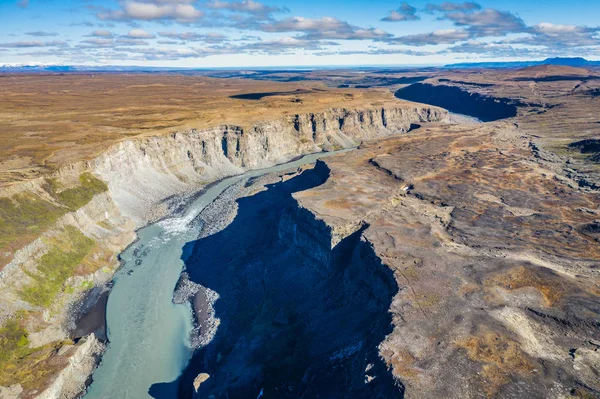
(494,254)
(49,121)
(488,233)
(85,160)
(492,232)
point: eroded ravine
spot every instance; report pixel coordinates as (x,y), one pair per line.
(297,318)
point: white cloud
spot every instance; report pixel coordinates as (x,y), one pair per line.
(548,28)
(34,43)
(101,33)
(488,22)
(446,36)
(405,12)
(179,11)
(140,34)
(448,6)
(323,28)
(210,37)
(245,6)
(41,34)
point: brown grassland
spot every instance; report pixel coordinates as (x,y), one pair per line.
(52,120)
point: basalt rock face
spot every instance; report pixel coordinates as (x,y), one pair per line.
(143,173)
(460,101)
(298,317)
(591,147)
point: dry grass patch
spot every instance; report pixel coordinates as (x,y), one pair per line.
(339,203)
(24,217)
(551,288)
(500,357)
(20,364)
(49,121)
(97,258)
(402,363)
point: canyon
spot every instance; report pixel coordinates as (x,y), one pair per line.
(52,281)
(441,258)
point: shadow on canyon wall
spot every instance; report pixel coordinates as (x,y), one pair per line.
(297,318)
(454,99)
(258,96)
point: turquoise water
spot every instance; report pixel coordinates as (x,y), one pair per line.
(148,333)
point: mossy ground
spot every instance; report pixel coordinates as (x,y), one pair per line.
(33,367)
(500,357)
(20,364)
(76,197)
(25,216)
(58,264)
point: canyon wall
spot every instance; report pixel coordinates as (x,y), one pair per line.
(455,99)
(143,173)
(299,316)
(139,181)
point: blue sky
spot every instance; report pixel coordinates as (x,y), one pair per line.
(232,33)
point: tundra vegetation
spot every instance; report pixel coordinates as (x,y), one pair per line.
(25,216)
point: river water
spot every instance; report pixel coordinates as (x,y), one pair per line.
(149,334)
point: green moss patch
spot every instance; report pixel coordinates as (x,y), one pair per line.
(56,266)
(76,197)
(20,364)
(25,216)
(13,341)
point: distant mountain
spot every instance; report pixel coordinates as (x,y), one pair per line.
(566,61)
(52,68)
(575,61)
(16,68)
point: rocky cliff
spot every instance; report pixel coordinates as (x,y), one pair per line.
(67,229)
(143,173)
(495,255)
(301,313)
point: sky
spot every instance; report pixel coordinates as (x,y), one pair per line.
(253,33)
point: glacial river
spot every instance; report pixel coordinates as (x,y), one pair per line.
(149,334)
